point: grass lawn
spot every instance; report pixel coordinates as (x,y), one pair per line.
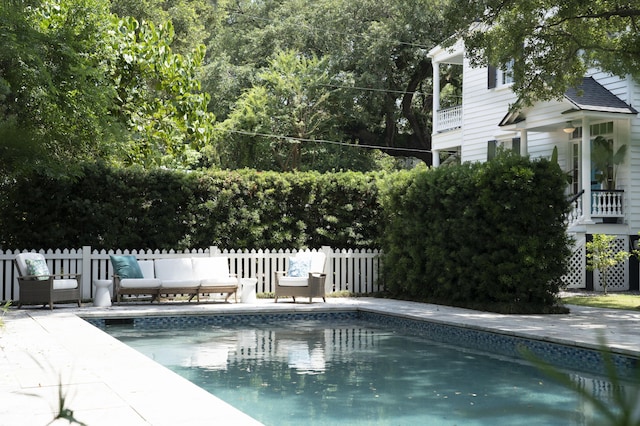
(612,301)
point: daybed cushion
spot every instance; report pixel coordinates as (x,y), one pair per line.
(213,271)
(126,266)
(175,273)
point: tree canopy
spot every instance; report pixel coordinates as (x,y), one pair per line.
(286,84)
(78,83)
(374,51)
(55,103)
(553,44)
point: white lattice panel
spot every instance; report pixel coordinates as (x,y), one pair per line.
(576,277)
(618,277)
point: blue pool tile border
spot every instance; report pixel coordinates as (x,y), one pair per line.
(563,356)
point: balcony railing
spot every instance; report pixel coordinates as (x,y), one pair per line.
(605,204)
(449,118)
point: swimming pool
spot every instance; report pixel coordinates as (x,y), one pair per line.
(357,368)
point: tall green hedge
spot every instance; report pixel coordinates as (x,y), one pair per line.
(478,235)
(489,236)
(162,209)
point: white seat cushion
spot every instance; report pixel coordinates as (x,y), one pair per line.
(64,284)
(149,280)
(293,281)
(179,284)
(140,283)
(178,269)
(219,282)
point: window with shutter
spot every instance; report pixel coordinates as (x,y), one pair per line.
(515,145)
(492,73)
(491,149)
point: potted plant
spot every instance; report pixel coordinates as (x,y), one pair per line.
(605,161)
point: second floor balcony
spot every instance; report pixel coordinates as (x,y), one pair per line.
(448,119)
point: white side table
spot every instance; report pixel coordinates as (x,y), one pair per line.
(102,296)
(248,294)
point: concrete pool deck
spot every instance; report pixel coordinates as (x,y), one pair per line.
(107,383)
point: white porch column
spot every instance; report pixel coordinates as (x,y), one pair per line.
(435,154)
(436,96)
(524,143)
(586,170)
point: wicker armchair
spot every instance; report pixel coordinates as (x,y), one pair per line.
(305,277)
(37,286)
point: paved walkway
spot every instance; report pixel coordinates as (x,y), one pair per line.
(106,383)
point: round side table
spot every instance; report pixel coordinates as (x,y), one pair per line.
(102,296)
(248,294)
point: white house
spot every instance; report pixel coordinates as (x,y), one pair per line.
(601,108)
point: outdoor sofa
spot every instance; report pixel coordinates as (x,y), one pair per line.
(190,276)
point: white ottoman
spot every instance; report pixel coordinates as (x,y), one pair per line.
(248,294)
(102,296)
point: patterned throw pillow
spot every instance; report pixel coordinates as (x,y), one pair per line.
(299,267)
(126,266)
(37,267)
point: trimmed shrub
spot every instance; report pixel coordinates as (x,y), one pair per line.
(488,236)
(162,209)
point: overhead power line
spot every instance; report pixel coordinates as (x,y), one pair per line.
(372,89)
(353,145)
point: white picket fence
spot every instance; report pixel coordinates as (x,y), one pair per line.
(347,269)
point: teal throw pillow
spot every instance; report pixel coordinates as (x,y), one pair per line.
(126,266)
(37,267)
(299,267)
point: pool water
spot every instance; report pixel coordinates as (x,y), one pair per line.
(353,372)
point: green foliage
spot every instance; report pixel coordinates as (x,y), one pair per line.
(274,124)
(605,161)
(162,209)
(601,256)
(374,51)
(158,95)
(77,83)
(190,18)
(553,43)
(55,101)
(488,234)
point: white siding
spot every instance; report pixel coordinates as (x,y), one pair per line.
(482,109)
(633,196)
(447,140)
